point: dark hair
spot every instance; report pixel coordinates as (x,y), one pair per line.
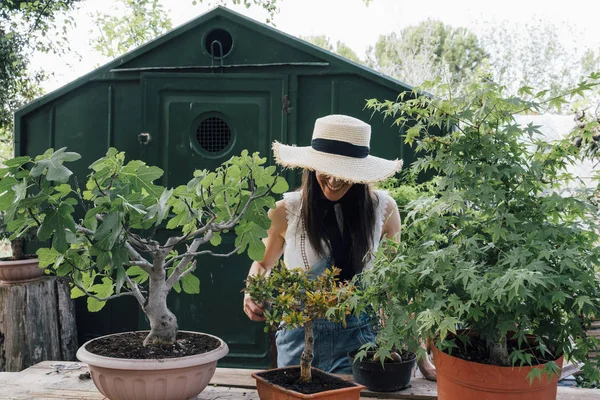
(358,210)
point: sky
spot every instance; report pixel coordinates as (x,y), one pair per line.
(350,21)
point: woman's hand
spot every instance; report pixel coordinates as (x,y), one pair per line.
(427,369)
(253,311)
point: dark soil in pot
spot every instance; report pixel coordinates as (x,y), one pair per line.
(392,376)
(476,350)
(130,345)
(289,379)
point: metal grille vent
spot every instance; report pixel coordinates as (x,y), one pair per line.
(213,135)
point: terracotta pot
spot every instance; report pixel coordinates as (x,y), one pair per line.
(269,391)
(165,379)
(458,379)
(17,271)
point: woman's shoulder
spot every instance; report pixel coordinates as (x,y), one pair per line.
(385,200)
(287,209)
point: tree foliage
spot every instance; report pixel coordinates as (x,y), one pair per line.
(498,246)
(138,22)
(532,54)
(340,48)
(296,298)
(24,27)
(105,252)
(424,51)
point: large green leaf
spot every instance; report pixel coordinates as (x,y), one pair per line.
(281,186)
(257,211)
(102,290)
(7,194)
(249,236)
(160,208)
(55,224)
(190,284)
(47,256)
(56,170)
(108,232)
(142,178)
(16,162)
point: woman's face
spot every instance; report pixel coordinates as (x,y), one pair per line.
(333,189)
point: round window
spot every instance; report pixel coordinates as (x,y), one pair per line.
(218,43)
(213,136)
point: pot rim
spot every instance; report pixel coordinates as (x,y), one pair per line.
(87,357)
(434,350)
(472,332)
(9,263)
(351,355)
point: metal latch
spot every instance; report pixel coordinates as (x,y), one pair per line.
(144,138)
(286,104)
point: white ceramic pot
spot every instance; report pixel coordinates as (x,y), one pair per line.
(153,379)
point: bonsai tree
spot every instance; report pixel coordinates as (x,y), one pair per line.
(499,247)
(387,300)
(16,237)
(102,235)
(295,298)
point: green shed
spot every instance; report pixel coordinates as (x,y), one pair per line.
(191,99)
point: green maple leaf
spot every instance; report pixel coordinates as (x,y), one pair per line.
(55,224)
(56,170)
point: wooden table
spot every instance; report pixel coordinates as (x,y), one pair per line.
(44,381)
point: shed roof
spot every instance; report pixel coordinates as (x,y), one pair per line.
(220,12)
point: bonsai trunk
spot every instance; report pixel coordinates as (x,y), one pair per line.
(163,323)
(499,352)
(17,249)
(308,353)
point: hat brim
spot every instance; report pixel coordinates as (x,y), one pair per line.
(370,169)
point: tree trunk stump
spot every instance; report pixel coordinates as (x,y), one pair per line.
(37,323)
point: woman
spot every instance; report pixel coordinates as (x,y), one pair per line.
(335,219)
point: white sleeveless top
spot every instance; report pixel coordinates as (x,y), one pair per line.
(293,256)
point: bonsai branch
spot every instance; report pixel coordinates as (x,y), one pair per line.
(174,241)
(99,187)
(200,253)
(187,271)
(187,257)
(33,216)
(114,296)
(138,259)
(136,291)
(142,245)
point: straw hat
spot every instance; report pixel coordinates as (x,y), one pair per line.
(339,148)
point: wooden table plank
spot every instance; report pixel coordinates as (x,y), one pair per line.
(42,382)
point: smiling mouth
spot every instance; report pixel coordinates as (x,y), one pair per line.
(334,188)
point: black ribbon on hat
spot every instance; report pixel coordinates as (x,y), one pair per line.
(340,148)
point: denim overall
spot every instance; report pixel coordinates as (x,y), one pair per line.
(333,341)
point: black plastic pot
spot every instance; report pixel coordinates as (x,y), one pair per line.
(392,377)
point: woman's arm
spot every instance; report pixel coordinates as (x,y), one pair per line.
(273,250)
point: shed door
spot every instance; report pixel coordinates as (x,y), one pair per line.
(197,121)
